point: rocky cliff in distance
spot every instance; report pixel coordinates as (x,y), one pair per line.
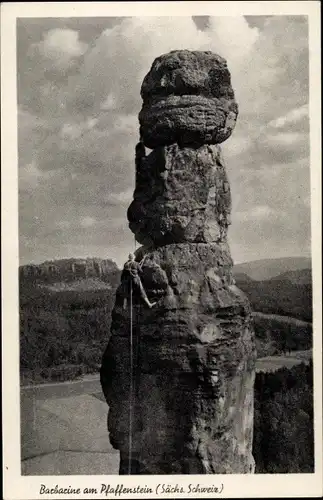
(68,269)
(190,392)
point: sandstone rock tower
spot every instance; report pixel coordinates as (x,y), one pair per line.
(193,354)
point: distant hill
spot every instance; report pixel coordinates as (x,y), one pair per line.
(299,277)
(243,277)
(266,269)
(289,294)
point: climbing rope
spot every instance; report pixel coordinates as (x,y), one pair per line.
(131,385)
(131,391)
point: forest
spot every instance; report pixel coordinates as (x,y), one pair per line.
(279,296)
(280,334)
(283,421)
(63,334)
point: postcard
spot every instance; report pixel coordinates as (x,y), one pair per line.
(161,250)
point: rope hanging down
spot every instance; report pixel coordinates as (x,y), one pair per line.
(131,385)
(131,380)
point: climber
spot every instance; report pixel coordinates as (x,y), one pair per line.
(131,271)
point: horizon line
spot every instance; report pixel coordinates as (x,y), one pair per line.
(112,260)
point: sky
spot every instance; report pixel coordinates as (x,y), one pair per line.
(78,102)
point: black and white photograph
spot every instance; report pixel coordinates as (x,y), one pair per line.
(163,262)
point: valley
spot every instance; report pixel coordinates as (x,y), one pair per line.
(65,315)
(65,310)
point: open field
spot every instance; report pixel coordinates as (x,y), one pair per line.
(273,363)
(65,434)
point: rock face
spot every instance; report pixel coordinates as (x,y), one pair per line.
(188,199)
(188,99)
(184,384)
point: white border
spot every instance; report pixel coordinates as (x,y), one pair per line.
(17,487)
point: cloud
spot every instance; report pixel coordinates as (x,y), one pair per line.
(29,176)
(109,103)
(87,221)
(60,47)
(259,212)
(234,48)
(294,116)
(79,97)
(123,198)
(113,69)
(284,139)
(75,130)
